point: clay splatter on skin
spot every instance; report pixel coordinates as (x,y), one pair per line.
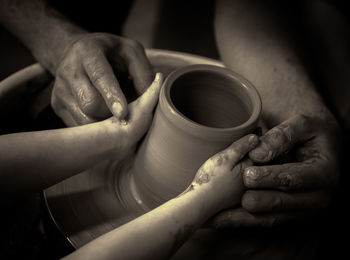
(123,122)
(202,178)
(221,159)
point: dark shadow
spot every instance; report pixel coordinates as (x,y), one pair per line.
(186,26)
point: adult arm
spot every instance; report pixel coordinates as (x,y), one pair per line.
(254,40)
(32,161)
(86,65)
(160,232)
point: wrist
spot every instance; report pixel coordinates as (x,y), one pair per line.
(209,200)
(50,53)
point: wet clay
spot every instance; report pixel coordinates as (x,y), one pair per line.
(202,109)
(180,139)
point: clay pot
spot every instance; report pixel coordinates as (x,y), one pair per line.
(202,109)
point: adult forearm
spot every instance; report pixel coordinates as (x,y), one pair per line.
(253,40)
(42,29)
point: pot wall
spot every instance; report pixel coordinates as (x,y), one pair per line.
(175,146)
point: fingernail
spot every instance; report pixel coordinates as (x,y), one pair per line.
(253,139)
(117,109)
(250,176)
(157,77)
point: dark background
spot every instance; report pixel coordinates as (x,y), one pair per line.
(186,26)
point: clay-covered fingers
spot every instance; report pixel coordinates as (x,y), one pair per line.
(90,69)
(66,106)
(102,77)
(259,201)
(282,138)
(86,95)
(229,157)
(287,177)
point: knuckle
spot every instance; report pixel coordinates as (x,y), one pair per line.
(131,48)
(84,100)
(305,122)
(220,159)
(302,118)
(96,72)
(88,106)
(135,45)
(288,181)
(238,149)
(281,135)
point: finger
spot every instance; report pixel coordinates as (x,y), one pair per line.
(87,96)
(64,96)
(149,99)
(139,67)
(61,112)
(256,201)
(281,139)
(67,118)
(238,169)
(287,177)
(235,152)
(241,218)
(102,77)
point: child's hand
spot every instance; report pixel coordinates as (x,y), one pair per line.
(129,131)
(221,175)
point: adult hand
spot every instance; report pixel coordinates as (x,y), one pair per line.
(282,192)
(86,86)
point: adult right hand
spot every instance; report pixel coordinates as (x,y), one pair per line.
(86,87)
(295,189)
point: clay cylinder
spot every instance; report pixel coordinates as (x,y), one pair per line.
(202,109)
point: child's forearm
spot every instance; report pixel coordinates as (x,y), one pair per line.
(158,233)
(32,161)
(43,30)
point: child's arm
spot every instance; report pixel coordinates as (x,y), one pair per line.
(32,161)
(160,232)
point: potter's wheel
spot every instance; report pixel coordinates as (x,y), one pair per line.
(100,199)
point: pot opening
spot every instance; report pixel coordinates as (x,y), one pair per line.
(211,99)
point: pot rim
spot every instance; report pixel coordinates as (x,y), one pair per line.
(166,103)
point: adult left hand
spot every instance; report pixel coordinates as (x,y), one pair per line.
(282,192)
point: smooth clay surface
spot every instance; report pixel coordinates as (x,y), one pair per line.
(202,109)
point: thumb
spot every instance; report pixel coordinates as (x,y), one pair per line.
(148,100)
